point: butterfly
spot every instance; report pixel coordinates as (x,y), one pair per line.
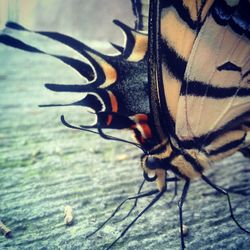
(180,84)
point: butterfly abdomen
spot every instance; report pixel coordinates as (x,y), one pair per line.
(187,164)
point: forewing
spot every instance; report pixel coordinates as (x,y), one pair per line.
(179,25)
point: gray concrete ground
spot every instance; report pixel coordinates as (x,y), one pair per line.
(45,166)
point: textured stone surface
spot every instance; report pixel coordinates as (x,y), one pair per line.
(45,166)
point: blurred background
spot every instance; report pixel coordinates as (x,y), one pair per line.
(79,18)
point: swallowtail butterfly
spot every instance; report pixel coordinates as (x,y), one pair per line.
(183,117)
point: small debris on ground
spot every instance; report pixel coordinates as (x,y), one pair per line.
(122,157)
(5,230)
(68,215)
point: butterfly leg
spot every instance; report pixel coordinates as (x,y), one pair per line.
(175,180)
(170,179)
(156,198)
(180,204)
(176,186)
(135,203)
(120,205)
(224,192)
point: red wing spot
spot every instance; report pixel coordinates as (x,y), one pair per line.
(114,103)
(109,120)
(140,118)
(146,130)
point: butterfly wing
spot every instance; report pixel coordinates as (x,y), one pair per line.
(214,100)
(169,51)
(116,89)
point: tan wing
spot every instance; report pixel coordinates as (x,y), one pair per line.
(215,95)
(180,22)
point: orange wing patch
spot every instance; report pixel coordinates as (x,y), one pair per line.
(140,47)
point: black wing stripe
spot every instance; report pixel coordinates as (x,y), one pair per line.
(59,37)
(227,147)
(70,87)
(98,101)
(130,42)
(175,64)
(196,88)
(207,139)
(15,43)
(245,151)
(182,12)
(246,74)
(176,171)
(229,66)
(196,166)
(84,69)
(93,56)
(247,124)
(236,16)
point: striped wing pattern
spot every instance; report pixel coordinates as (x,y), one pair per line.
(116,90)
(205,69)
(214,103)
